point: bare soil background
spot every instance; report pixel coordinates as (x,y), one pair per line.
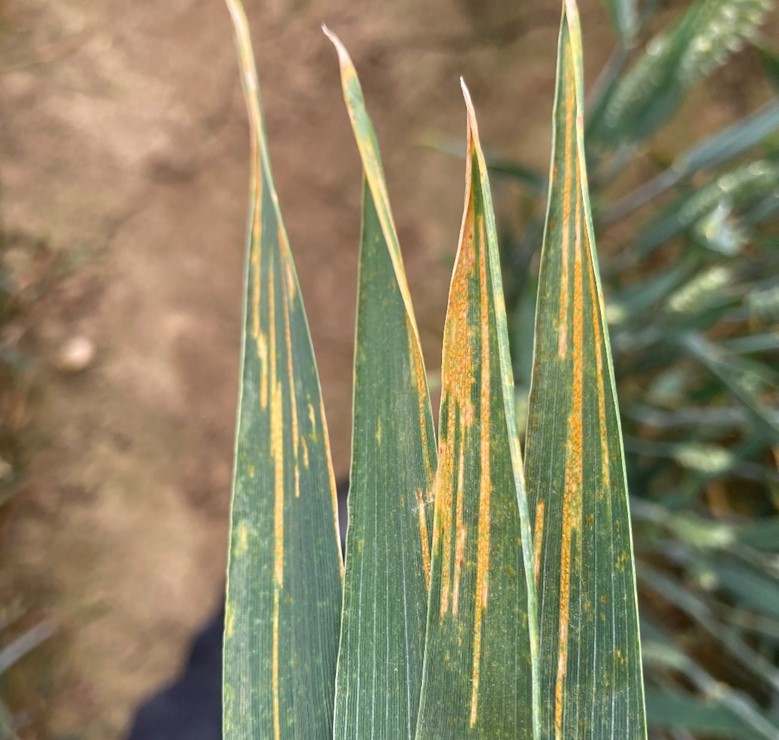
(124,160)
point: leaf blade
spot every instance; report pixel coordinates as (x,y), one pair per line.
(393,462)
(284,567)
(624,16)
(591,683)
(480,644)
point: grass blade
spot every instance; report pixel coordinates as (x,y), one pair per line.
(393,462)
(719,711)
(723,146)
(624,15)
(698,610)
(479,675)
(711,717)
(591,683)
(284,572)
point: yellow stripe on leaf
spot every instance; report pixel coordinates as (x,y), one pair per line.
(574,460)
(479,677)
(281,635)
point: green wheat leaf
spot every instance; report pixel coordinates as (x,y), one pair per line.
(284,573)
(393,463)
(624,15)
(479,675)
(590,672)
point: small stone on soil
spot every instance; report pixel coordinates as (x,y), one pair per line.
(75,355)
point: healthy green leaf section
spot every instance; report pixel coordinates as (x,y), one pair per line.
(679,711)
(590,658)
(284,572)
(624,15)
(393,463)
(479,674)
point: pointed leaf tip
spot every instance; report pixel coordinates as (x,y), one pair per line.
(473,126)
(282,616)
(327,32)
(467,98)
(391,475)
(344,59)
(478,677)
(590,667)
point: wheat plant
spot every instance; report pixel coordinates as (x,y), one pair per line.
(482,595)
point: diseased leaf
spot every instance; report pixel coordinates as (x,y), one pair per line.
(284,572)
(479,675)
(590,657)
(393,463)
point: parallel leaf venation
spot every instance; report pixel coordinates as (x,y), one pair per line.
(284,573)
(590,669)
(479,654)
(393,462)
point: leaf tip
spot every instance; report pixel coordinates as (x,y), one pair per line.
(572,11)
(244,44)
(343,56)
(471,112)
(572,21)
(466,95)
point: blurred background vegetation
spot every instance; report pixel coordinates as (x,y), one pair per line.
(123,173)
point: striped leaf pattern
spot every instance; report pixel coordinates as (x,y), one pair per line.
(590,668)
(393,462)
(480,650)
(501,613)
(284,572)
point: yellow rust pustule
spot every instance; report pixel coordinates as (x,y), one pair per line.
(420,379)
(460,530)
(538,539)
(485,481)
(573,481)
(241,546)
(229,621)
(597,329)
(331,479)
(568,176)
(423,535)
(276,443)
(290,372)
(442,532)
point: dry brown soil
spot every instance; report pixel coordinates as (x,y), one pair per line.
(123,151)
